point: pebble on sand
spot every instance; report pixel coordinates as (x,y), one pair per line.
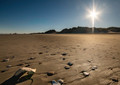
(67,67)
(69,63)
(31,58)
(20,64)
(64,54)
(50,73)
(40,52)
(61,81)
(8,66)
(40,63)
(4,71)
(6,60)
(53,82)
(94,68)
(27,65)
(85,73)
(63,58)
(89,61)
(115,79)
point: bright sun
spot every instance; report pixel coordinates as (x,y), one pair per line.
(93,14)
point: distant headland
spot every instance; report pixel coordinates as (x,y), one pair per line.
(80,30)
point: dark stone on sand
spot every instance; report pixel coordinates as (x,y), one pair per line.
(110,68)
(27,65)
(40,63)
(115,79)
(64,54)
(89,61)
(20,64)
(5,60)
(69,63)
(63,58)
(51,73)
(4,71)
(40,52)
(32,58)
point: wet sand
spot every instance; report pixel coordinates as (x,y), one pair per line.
(83,50)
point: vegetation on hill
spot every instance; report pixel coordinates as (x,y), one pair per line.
(85,30)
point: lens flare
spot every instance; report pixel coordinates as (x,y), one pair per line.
(93,14)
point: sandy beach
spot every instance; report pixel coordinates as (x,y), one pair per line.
(52,52)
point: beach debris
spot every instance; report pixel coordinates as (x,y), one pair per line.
(31,58)
(69,63)
(86,74)
(4,70)
(67,67)
(8,66)
(50,73)
(64,54)
(24,72)
(94,68)
(6,60)
(40,52)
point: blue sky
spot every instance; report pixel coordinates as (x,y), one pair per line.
(24,16)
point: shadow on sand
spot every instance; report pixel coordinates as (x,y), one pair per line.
(20,76)
(14,80)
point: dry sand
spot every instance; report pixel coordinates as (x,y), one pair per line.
(83,50)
